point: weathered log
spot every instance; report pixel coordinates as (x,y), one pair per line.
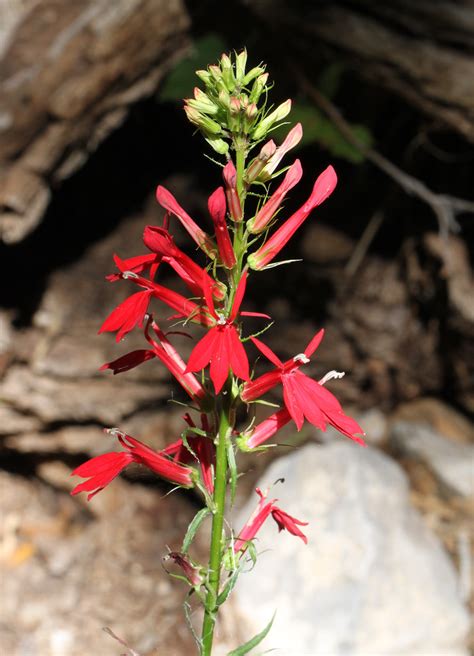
(423,51)
(69,71)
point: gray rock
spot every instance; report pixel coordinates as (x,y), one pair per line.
(451,462)
(372,580)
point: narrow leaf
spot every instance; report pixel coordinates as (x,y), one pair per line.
(193,527)
(256,640)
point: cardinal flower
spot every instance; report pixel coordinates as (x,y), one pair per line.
(230,178)
(217,210)
(132,311)
(201,448)
(323,187)
(161,242)
(264,430)
(303,397)
(169,202)
(164,351)
(255,522)
(266,213)
(221,346)
(101,470)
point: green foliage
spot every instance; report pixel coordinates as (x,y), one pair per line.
(193,528)
(256,640)
(182,79)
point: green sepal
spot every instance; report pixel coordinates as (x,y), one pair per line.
(256,640)
(193,528)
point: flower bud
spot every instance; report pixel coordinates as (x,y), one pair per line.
(292,139)
(224,98)
(219,145)
(252,74)
(258,87)
(260,161)
(205,76)
(233,202)
(278,114)
(203,105)
(235,105)
(240,64)
(227,72)
(250,115)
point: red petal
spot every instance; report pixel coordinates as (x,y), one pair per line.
(239,296)
(314,343)
(268,353)
(255,314)
(239,362)
(292,398)
(127,315)
(203,351)
(286,521)
(255,389)
(220,360)
(128,361)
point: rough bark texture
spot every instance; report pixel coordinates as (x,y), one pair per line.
(68,73)
(421,50)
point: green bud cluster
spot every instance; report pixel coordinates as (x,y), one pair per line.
(227,112)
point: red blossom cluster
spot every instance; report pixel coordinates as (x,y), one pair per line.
(216,306)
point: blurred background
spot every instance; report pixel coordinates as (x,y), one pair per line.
(91,121)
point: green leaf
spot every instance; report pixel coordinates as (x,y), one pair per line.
(193,527)
(256,640)
(182,79)
(230,584)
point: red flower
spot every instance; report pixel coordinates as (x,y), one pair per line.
(137,264)
(230,178)
(264,430)
(164,351)
(169,202)
(217,209)
(292,139)
(190,570)
(255,522)
(203,448)
(132,311)
(101,470)
(266,213)
(221,346)
(303,397)
(323,187)
(161,242)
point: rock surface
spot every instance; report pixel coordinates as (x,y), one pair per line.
(452,463)
(372,580)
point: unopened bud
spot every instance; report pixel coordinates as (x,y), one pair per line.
(252,74)
(224,98)
(258,87)
(205,76)
(235,105)
(260,161)
(215,72)
(219,145)
(240,64)
(227,72)
(203,105)
(250,115)
(278,114)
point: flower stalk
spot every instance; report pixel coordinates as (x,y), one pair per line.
(218,380)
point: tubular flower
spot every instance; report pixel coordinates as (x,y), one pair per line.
(161,242)
(221,346)
(137,264)
(132,311)
(203,449)
(190,570)
(170,357)
(233,201)
(303,397)
(265,214)
(255,522)
(323,187)
(101,470)
(292,139)
(264,430)
(217,209)
(169,203)
(256,166)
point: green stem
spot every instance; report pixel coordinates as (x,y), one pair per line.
(220,487)
(240,168)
